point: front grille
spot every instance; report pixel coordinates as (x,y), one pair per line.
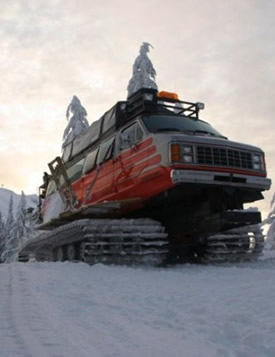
(214,156)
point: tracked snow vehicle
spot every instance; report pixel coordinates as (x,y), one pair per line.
(151,182)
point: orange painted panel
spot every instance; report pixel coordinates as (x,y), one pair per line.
(137,155)
(139,147)
(154,181)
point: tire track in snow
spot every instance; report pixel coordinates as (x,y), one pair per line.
(19,299)
(44,323)
(10,341)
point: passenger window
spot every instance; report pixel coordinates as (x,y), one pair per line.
(67,152)
(109,120)
(131,136)
(51,188)
(139,133)
(106,150)
(90,161)
(75,171)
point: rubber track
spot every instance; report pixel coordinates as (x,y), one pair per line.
(235,245)
(110,241)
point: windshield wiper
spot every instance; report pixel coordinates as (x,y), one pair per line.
(208,133)
(203,132)
(168,129)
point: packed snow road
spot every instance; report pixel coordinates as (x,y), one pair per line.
(66,309)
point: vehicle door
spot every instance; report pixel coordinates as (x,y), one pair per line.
(130,160)
(99,184)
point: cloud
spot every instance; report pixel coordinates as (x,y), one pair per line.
(217,52)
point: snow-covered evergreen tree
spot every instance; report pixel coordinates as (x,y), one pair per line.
(19,230)
(76,116)
(271,221)
(10,219)
(143,71)
(8,229)
(2,234)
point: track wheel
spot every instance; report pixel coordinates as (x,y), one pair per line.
(71,252)
(59,254)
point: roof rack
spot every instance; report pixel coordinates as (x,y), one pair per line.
(147,100)
(144,101)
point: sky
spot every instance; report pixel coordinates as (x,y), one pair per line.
(217,52)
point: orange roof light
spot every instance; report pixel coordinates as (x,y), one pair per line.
(170,95)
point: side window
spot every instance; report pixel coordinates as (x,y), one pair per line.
(51,188)
(106,150)
(67,152)
(90,161)
(75,171)
(139,133)
(109,120)
(131,136)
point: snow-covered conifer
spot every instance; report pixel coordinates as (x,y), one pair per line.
(143,71)
(9,224)
(8,230)
(76,116)
(2,234)
(18,233)
(271,221)
(21,213)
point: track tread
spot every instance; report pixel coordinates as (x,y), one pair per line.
(239,244)
(116,241)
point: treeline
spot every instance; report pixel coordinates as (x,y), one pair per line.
(15,230)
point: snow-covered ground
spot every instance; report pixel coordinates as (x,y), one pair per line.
(67,309)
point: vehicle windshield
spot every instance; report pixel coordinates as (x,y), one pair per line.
(162,123)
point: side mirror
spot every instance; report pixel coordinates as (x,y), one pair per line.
(125,141)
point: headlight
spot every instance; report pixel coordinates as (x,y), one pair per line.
(187,158)
(187,149)
(181,153)
(258,162)
(200,105)
(148,96)
(187,154)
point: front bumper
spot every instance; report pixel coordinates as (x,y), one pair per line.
(219,178)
